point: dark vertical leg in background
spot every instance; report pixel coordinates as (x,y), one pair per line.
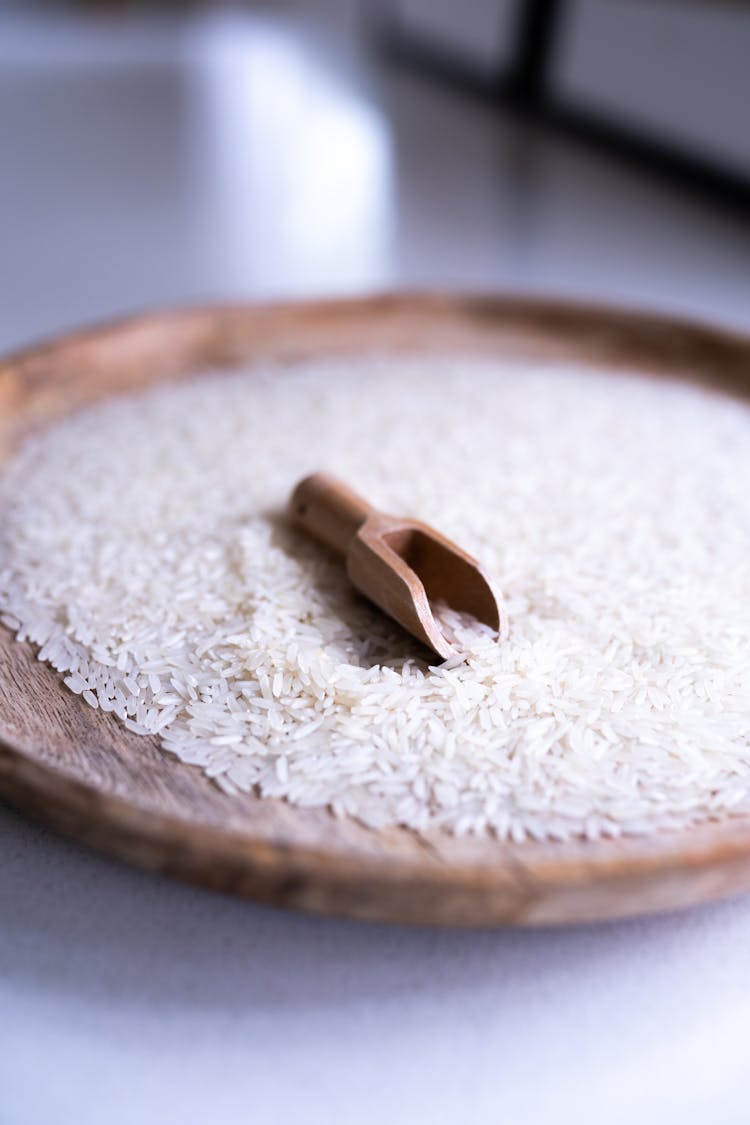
(524,83)
(525,89)
(535,42)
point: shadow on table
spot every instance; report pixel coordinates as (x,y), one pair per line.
(74,921)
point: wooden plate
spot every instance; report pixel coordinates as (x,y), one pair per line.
(79,771)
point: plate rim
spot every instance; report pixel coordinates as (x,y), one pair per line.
(283,874)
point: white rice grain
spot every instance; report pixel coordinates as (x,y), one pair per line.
(144,551)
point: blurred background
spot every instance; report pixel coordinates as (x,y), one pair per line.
(158,155)
(187,152)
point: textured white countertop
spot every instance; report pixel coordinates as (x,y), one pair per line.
(229,159)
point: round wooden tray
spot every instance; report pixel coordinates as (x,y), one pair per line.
(81,772)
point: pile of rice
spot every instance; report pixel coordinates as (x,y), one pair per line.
(143,547)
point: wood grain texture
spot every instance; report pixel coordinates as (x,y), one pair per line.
(81,772)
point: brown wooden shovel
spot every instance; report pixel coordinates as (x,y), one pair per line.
(399,564)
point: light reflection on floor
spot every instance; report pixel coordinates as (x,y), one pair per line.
(231,157)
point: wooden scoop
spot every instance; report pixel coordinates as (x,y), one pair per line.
(399,564)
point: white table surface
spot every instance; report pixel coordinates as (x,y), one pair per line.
(243,159)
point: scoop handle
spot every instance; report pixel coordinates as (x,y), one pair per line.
(327,509)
